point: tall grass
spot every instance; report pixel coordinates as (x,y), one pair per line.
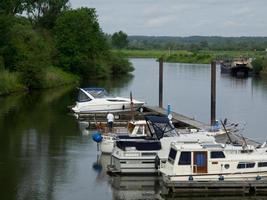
(10,82)
(56,77)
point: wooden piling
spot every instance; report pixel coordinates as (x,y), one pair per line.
(160,82)
(213,94)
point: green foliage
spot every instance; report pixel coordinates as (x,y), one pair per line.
(196,43)
(10,82)
(119,40)
(11,7)
(81,44)
(30,53)
(45,12)
(2,66)
(259,64)
(54,76)
(119,64)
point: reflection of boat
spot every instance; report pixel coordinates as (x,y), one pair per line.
(135,187)
(147,154)
(135,130)
(216,167)
(240,67)
(95,100)
(83,127)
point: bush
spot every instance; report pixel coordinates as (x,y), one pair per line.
(55,77)
(10,82)
(259,64)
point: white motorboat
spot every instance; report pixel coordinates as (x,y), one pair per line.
(147,154)
(135,130)
(96,100)
(200,161)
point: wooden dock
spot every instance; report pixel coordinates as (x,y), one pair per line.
(178,118)
(236,187)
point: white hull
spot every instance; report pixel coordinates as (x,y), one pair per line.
(251,176)
(134,166)
(106,146)
(103,107)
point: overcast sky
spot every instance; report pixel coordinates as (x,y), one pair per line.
(181,17)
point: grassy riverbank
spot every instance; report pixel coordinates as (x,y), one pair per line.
(11,82)
(183,56)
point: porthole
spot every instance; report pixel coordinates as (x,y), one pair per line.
(226,166)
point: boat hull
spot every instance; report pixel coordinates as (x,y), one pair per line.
(133,165)
(85,107)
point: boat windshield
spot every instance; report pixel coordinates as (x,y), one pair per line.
(160,127)
(97,92)
(82,97)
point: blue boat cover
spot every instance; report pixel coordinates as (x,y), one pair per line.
(160,125)
(93,89)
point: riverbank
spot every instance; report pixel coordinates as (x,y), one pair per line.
(183,56)
(11,82)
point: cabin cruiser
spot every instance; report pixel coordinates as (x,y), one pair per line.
(202,161)
(96,100)
(135,130)
(146,155)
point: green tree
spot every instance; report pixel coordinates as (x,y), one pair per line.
(80,42)
(45,12)
(29,53)
(11,7)
(119,40)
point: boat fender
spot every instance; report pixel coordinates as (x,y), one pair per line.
(221,178)
(258,178)
(157,162)
(97,137)
(123,107)
(190,178)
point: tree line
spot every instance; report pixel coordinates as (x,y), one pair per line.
(196,43)
(38,35)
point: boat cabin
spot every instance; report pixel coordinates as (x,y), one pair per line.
(204,161)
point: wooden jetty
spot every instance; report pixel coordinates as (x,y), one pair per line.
(178,118)
(208,187)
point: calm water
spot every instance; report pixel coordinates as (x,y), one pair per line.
(46,154)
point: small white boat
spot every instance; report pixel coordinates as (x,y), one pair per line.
(96,100)
(135,130)
(209,162)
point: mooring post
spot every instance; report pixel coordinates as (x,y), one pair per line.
(160,82)
(213,93)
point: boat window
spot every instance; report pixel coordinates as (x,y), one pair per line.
(245,165)
(82,97)
(217,154)
(172,155)
(262,164)
(185,158)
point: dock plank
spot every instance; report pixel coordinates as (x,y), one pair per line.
(178,117)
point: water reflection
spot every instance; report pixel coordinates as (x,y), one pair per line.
(46,154)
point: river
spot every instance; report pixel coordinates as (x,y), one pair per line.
(46,154)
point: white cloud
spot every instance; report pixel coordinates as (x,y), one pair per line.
(181,17)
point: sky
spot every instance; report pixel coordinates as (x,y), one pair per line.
(180,17)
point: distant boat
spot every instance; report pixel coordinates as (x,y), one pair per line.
(240,67)
(96,100)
